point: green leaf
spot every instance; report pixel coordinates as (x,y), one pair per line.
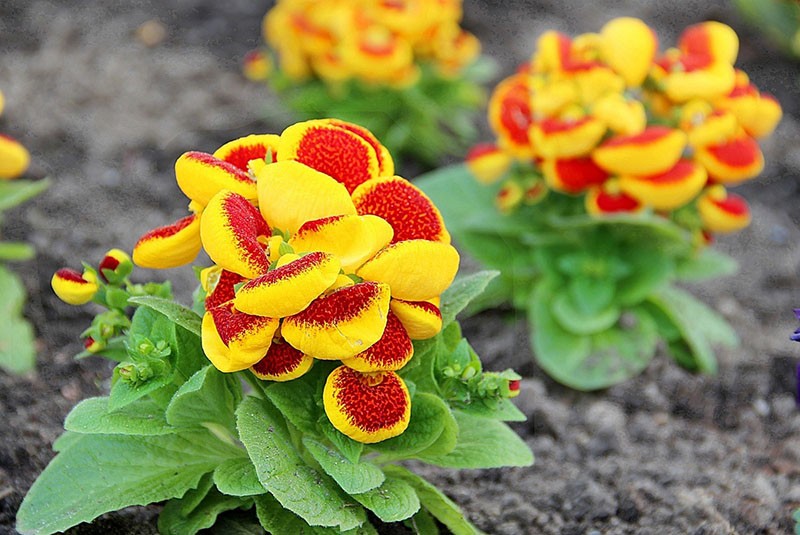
(429,415)
(461,292)
(237,477)
(297,402)
(422,523)
(484,443)
(575,319)
(278,520)
(209,396)
(591,295)
(16,251)
(102,473)
(142,417)
(12,293)
(354,478)
(179,314)
(348,447)
(699,326)
(707,263)
(650,270)
(14,193)
(435,502)
(393,501)
(420,369)
(305,491)
(174,521)
(17,350)
(497,409)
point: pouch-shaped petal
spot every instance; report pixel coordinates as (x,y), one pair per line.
(385,161)
(711,38)
(391,352)
(560,138)
(732,161)
(367,407)
(628,46)
(353,239)
(655,150)
(572,175)
(240,152)
(282,363)
(232,231)
(404,206)
(510,114)
(234,341)
(341,324)
(14,158)
(722,212)
(757,113)
(169,246)
(201,176)
(330,149)
(290,288)
(416,270)
(488,163)
(666,191)
(708,82)
(221,287)
(421,319)
(72,287)
(291,193)
(599,201)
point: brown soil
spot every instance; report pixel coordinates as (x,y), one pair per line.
(667,452)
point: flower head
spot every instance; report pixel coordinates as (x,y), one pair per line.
(321,253)
(73,287)
(14,157)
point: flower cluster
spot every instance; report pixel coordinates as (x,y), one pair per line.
(370,40)
(609,117)
(320,252)
(14,157)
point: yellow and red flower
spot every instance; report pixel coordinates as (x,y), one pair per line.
(324,254)
(14,157)
(73,287)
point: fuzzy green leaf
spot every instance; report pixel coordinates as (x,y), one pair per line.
(142,417)
(429,415)
(17,350)
(393,501)
(12,293)
(461,292)
(650,270)
(354,478)
(16,251)
(706,264)
(497,409)
(14,193)
(278,520)
(422,523)
(349,448)
(209,396)
(297,401)
(179,314)
(174,521)
(575,319)
(435,502)
(237,477)
(102,473)
(305,491)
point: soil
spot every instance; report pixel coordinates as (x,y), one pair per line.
(668,452)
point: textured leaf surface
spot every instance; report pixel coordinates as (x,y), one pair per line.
(354,478)
(142,417)
(393,501)
(185,317)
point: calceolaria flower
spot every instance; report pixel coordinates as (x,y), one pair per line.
(610,119)
(320,253)
(14,157)
(405,69)
(610,174)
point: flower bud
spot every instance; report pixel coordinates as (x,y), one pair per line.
(115,266)
(93,346)
(256,66)
(14,158)
(72,287)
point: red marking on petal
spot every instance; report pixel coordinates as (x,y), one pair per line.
(739,152)
(608,203)
(554,125)
(342,305)
(281,359)
(391,352)
(71,275)
(240,156)
(734,205)
(232,325)
(682,169)
(168,230)
(224,290)
(247,224)
(576,174)
(482,149)
(211,161)
(316,224)
(371,403)
(405,207)
(516,114)
(369,137)
(108,262)
(652,133)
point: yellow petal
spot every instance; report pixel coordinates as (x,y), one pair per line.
(628,46)
(290,288)
(14,158)
(201,176)
(282,363)
(415,270)
(353,239)
(169,246)
(291,193)
(72,287)
(248,339)
(421,319)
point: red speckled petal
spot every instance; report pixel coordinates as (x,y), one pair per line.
(421,319)
(408,210)
(385,162)
(288,289)
(240,152)
(233,341)
(340,324)
(222,289)
(416,270)
(201,176)
(368,408)
(282,363)
(330,149)
(391,352)
(169,246)
(232,231)
(353,239)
